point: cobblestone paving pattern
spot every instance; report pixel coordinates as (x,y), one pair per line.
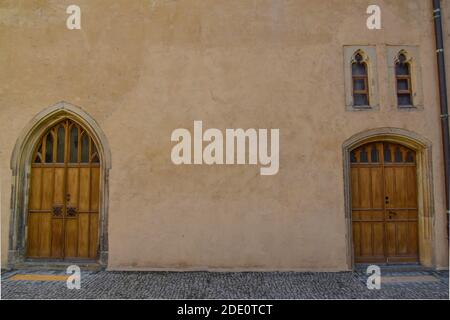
(206,285)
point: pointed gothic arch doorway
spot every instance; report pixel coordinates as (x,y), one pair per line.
(63,206)
(60,167)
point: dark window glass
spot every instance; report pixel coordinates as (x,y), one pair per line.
(387,154)
(404,100)
(359,84)
(85,149)
(398,155)
(49,148)
(74,144)
(410,157)
(402,69)
(402,84)
(359,69)
(374,154)
(61,143)
(361,100)
(364,158)
(353,157)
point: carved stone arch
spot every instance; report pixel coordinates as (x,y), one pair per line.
(365,57)
(408,56)
(21,165)
(423,149)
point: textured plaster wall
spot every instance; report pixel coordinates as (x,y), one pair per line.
(145,68)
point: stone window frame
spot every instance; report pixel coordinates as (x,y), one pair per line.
(413,59)
(370,58)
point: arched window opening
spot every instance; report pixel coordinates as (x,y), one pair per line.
(403,80)
(360,80)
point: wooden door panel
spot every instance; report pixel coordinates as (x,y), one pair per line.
(33,235)
(391,248)
(411,187)
(384,204)
(401,213)
(401,238)
(57,238)
(59,197)
(366,239)
(72,187)
(85,189)
(368,215)
(45,234)
(377,187)
(356,201)
(377,240)
(48,187)
(71,235)
(35,189)
(365,182)
(368,212)
(83,235)
(95,188)
(413,236)
(63,204)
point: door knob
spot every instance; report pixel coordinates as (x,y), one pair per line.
(68,197)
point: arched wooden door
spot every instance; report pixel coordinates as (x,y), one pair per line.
(384,204)
(63,209)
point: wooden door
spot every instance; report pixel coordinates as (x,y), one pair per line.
(384,204)
(63,209)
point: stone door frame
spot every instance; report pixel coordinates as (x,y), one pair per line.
(426,215)
(21,167)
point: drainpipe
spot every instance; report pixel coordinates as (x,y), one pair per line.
(443,99)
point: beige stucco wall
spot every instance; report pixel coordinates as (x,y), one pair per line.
(145,68)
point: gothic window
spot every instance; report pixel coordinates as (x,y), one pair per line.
(403,80)
(360,80)
(66,142)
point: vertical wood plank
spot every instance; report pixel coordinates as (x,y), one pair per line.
(95,185)
(71,238)
(83,235)
(57,238)
(33,235)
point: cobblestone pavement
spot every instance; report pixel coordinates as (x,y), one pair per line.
(205,285)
